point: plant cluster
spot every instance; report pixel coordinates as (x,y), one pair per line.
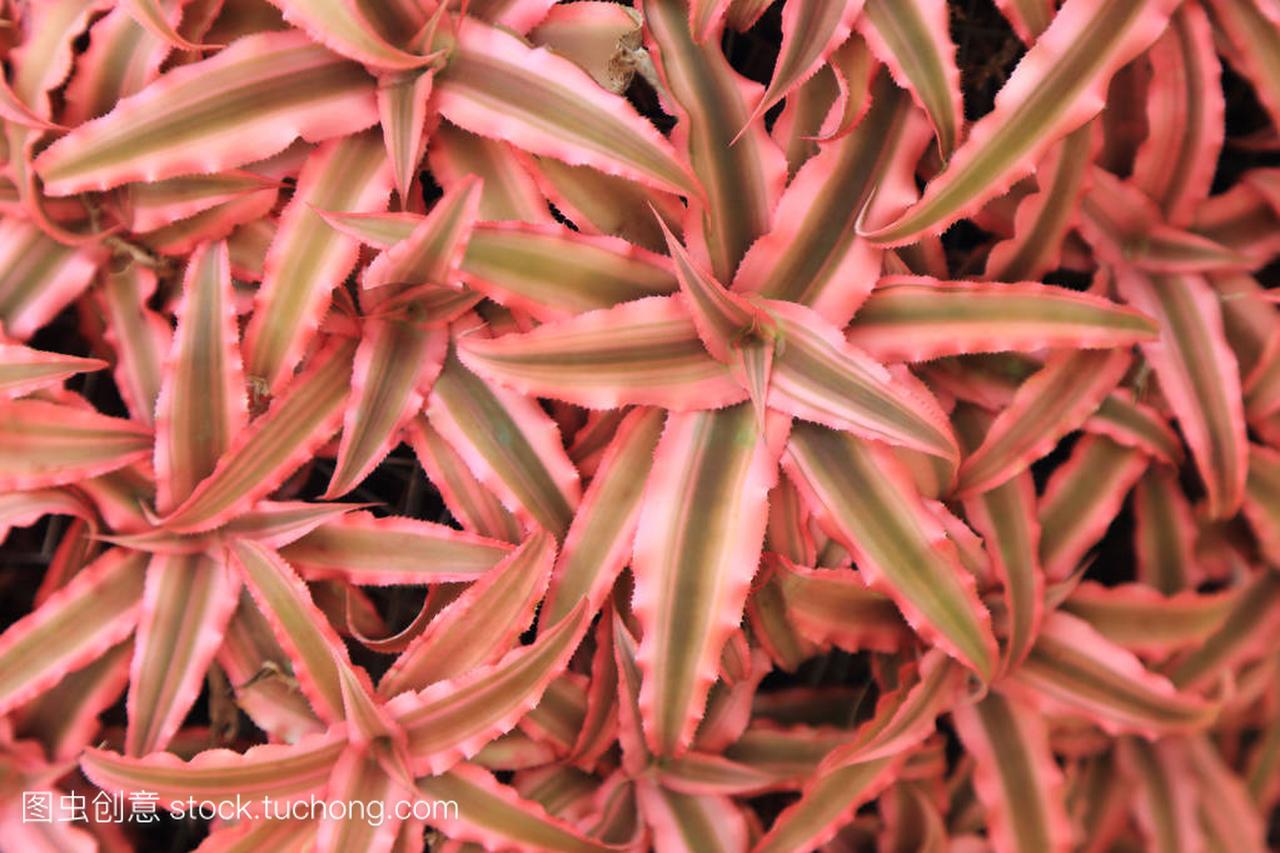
(511,404)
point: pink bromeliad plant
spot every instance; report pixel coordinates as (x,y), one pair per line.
(515,407)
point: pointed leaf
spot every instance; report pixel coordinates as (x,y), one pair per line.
(432,252)
(1044,218)
(820,377)
(1147,622)
(599,541)
(1185,114)
(73,626)
(395,365)
(277,772)
(140,336)
(273,446)
(454,719)
(913,318)
(697,546)
(299,626)
(865,500)
(306,260)
(912,39)
(1015,775)
(1250,30)
(202,403)
(38,276)
(645,352)
(468,500)
(242,104)
(186,605)
(742,178)
(1073,668)
(47,444)
(835,606)
(490,813)
(510,444)
(480,625)
(1199,376)
(1248,631)
(497,86)
(811,30)
(1052,403)
(23,370)
(814,255)
(1057,87)
(1081,500)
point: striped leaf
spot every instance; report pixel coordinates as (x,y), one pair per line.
(242,104)
(152,206)
(740,175)
(317,655)
(1057,87)
(273,771)
(95,610)
(48,444)
(1199,376)
(910,318)
(1165,805)
(139,335)
(1074,669)
(306,260)
(813,254)
(1164,533)
(1146,621)
(820,377)
(187,602)
(697,546)
(495,85)
(452,720)
(912,38)
(1044,218)
(1130,423)
(686,821)
(599,541)
(811,31)
(866,501)
(498,606)
(1015,775)
(553,272)
(1185,112)
(1006,519)
(202,403)
(1247,632)
(834,606)
(510,445)
(433,250)
(1250,30)
(510,191)
(384,551)
(606,204)
(342,28)
(38,276)
(395,366)
(1081,500)
(273,446)
(468,500)
(1052,403)
(825,805)
(495,816)
(23,370)
(645,352)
